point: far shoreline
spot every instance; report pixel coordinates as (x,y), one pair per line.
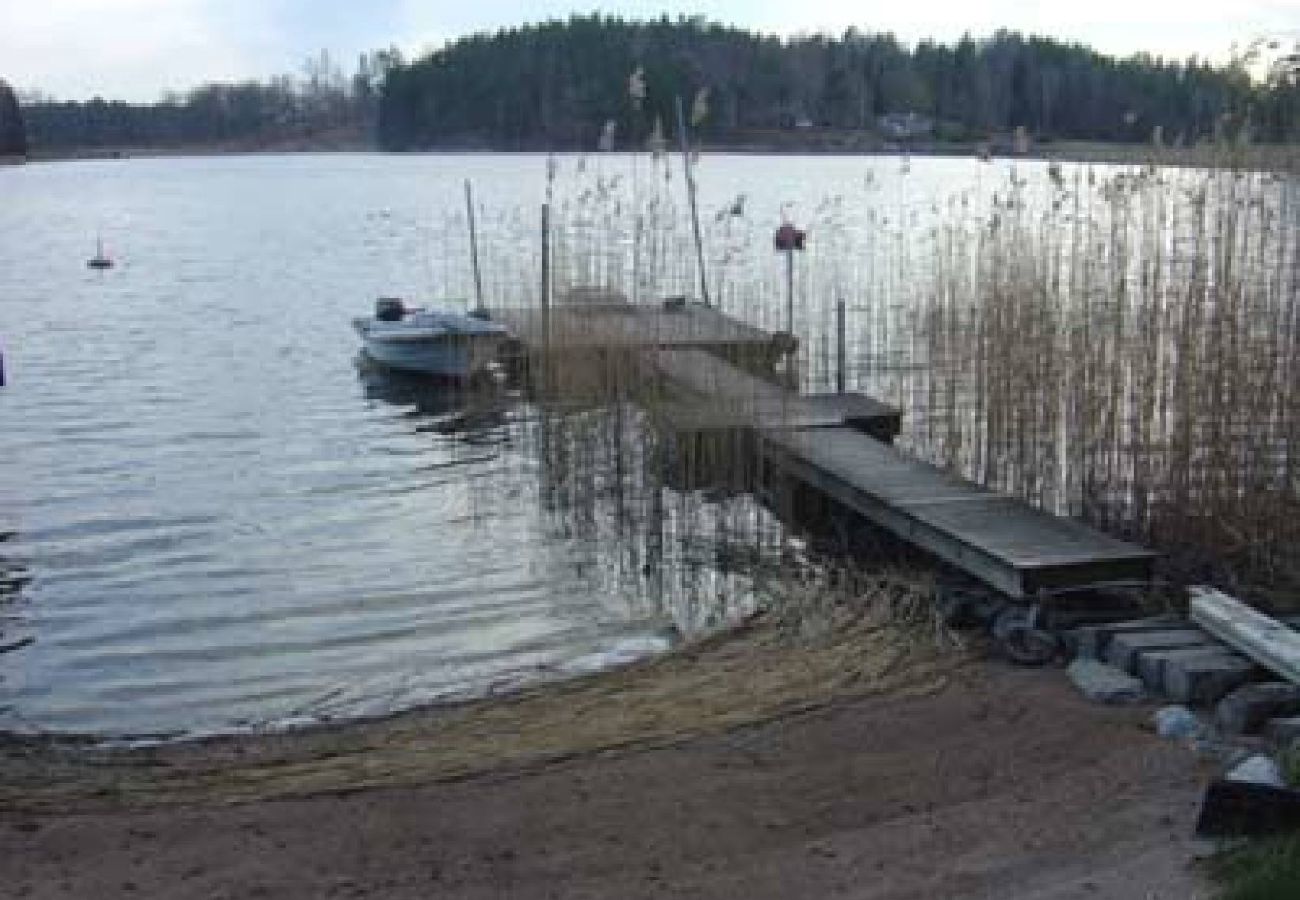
(1075,152)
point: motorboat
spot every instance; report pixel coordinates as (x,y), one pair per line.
(442,343)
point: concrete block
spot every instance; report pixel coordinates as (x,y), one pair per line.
(1151,664)
(1251,705)
(1090,640)
(1200,675)
(1124,647)
(1271,643)
(1283,730)
(1104,684)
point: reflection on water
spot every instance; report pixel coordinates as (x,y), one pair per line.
(215,521)
(470,412)
(13,577)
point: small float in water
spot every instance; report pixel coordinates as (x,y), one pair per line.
(100,260)
(442,343)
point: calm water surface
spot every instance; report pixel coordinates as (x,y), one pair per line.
(210,518)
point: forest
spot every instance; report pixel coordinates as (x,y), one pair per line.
(592,80)
(13,132)
(558,84)
(321,106)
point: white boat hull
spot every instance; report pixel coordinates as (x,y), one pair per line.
(446,356)
(430,342)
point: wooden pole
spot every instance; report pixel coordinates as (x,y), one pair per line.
(789,290)
(473,248)
(690,195)
(546,277)
(839,346)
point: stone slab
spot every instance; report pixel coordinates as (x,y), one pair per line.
(1247,708)
(1152,664)
(1202,675)
(1090,641)
(1104,684)
(1125,647)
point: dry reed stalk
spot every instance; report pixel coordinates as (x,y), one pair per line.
(1116,343)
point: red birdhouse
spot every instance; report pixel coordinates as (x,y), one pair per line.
(789,238)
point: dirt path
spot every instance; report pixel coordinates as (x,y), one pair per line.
(1003,784)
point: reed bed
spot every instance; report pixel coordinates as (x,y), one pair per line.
(1116,343)
(1125,350)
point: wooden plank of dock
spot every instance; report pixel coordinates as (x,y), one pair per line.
(729,398)
(1003,541)
(820,440)
(615,326)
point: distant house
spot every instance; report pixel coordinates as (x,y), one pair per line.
(803,122)
(905,125)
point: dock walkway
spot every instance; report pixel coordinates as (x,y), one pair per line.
(838,444)
(615,326)
(728,397)
(1001,540)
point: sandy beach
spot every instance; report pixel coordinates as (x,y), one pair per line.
(920,775)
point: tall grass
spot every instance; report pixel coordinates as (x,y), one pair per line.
(1126,351)
(1116,343)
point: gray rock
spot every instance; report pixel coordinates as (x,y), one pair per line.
(1251,705)
(1177,722)
(1283,730)
(1258,769)
(1104,684)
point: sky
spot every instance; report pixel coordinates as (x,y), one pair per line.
(137,49)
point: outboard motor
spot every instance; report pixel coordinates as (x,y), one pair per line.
(389,309)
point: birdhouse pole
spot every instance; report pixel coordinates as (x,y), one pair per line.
(789,289)
(789,239)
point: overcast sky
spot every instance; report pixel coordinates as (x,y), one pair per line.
(136,49)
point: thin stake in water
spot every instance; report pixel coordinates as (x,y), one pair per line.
(473,249)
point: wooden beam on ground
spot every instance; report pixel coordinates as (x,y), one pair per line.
(1264,639)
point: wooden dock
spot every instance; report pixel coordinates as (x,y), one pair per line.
(720,396)
(1001,540)
(838,444)
(625,326)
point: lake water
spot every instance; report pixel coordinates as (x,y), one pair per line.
(211,518)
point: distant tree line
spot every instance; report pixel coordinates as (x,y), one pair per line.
(13,132)
(558,84)
(286,109)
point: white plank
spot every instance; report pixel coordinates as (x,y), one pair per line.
(1264,639)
